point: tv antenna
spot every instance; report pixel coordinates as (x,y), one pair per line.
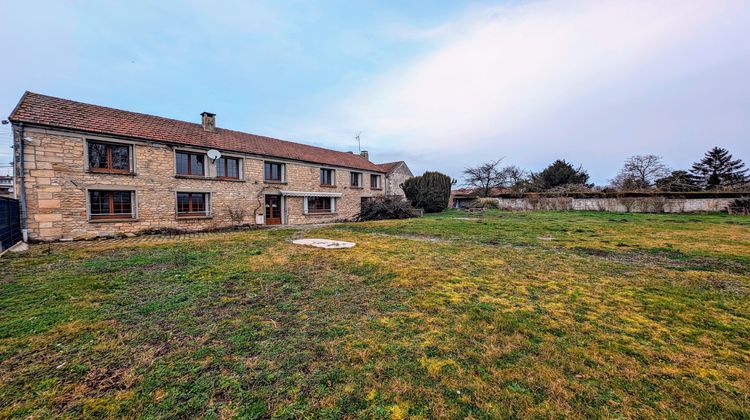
(359,142)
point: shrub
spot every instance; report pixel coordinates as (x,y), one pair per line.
(486,203)
(236,215)
(383,208)
(430,191)
(742,203)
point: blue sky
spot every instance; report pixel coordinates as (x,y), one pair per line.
(442,85)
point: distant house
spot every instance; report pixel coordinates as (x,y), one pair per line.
(90,170)
(6,186)
(395,175)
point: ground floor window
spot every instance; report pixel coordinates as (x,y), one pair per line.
(111,204)
(192,204)
(317,205)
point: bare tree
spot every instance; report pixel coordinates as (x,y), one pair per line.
(485,177)
(515,177)
(640,172)
(236,215)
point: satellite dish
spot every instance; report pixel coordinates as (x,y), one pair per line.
(213,154)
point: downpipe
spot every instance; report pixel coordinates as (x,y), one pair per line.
(22,180)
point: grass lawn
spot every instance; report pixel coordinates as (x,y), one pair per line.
(505,314)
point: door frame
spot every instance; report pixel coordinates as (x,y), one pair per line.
(282,208)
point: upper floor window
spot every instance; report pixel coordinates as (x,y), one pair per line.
(109,157)
(327,177)
(190,164)
(273,171)
(228,168)
(356,179)
(192,204)
(110,204)
(375,182)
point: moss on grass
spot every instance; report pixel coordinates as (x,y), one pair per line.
(616,316)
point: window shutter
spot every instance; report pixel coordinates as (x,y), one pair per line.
(305,209)
(333,205)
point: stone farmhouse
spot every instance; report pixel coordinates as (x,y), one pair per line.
(395,175)
(85,171)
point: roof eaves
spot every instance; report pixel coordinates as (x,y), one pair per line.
(179,143)
(11,117)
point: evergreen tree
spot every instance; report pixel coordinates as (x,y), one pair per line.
(557,174)
(678,181)
(431,191)
(717,169)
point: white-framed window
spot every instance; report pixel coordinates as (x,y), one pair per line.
(193,204)
(376,182)
(109,157)
(274,171)
(355,179)
(229,167)
(319,205)
(189,163)
(327,177)
(106,204)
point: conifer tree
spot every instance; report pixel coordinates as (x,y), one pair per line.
(717,169)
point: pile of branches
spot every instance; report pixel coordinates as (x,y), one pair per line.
(383,208)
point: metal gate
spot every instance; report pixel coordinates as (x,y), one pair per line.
(10,223)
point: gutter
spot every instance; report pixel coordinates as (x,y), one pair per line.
(21,176)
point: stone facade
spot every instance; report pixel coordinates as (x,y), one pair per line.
(57,183)
(395,177)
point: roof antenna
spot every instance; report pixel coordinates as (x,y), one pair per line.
(359,143)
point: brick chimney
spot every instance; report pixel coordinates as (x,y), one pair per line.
(365,155)
(208,121)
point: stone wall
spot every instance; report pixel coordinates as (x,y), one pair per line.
(623,205)
(57,182)
(395,178)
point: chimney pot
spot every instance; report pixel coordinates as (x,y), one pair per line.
(365,155)
(208,121)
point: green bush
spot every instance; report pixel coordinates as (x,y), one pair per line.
(431,191)
(383,208)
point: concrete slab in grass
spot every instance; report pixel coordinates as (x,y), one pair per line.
(324,243)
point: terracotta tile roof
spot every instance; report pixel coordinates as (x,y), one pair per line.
(387,167)
(49,111)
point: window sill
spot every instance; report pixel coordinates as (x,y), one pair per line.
(274,182)
(208,178)
(376,189)
(117,220)
(191,176)
(319,214)
(327,186)
(110,173)
(194,217)
(357,188)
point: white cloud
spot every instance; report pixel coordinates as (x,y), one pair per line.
(499,71)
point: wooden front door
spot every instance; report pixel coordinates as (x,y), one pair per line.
(273,210)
